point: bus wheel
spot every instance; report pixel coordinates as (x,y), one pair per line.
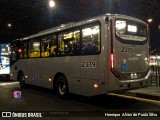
(62,87)
(22,80)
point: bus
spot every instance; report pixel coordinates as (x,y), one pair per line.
(4,60)
(100,55)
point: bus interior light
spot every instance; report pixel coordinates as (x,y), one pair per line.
(36,44)
(89,31)
(3,49)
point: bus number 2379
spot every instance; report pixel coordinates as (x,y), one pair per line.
(88,64)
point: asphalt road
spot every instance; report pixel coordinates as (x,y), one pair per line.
(77,107)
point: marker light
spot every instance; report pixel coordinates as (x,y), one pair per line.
(49,79)
(96,85)
(19,50)
(11,74)
(26,76)
(112,61)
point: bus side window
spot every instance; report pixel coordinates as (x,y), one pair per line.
(69,43)
(60,45)
(23,50)
(34,48)
(48,46)
(91,40)
(76,43)
(44,47)
(13,55)
(53,46)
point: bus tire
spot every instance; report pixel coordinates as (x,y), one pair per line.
(62,89)
(22,80)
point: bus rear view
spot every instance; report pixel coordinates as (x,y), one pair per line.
(129,53)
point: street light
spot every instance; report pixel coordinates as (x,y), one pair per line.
(9,25)
(150,20)
(51,3)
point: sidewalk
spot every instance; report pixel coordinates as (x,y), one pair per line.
(152,91)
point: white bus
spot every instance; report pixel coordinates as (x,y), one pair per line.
(4,59)
(4,65)
(104,54)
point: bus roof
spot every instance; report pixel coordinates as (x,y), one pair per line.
(75,24)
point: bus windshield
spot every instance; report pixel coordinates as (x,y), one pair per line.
(131,30)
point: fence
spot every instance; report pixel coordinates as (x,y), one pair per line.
(155,70)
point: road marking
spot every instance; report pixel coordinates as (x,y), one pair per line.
(3,84)
(136,98)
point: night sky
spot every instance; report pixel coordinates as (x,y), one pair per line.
(31,16)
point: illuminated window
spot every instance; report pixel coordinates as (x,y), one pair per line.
(131,30)
(48,46)
(91,40)
(121,26)
(34,48)
(69,43)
